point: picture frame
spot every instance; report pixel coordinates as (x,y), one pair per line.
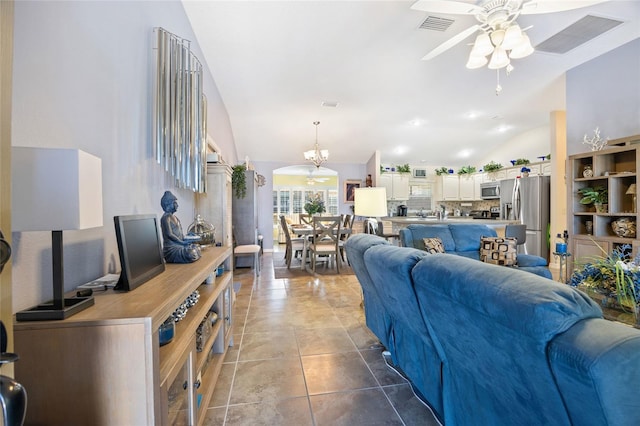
(350,185)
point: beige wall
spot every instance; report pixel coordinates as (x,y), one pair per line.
(558,137)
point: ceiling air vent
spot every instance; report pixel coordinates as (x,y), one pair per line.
(576,34)
(436,24)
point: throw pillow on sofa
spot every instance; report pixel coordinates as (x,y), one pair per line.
(498,250)
(433,245)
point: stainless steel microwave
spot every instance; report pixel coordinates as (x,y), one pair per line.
(490,190)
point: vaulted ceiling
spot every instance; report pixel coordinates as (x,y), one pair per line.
(276,62)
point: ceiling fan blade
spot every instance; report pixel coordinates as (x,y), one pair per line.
(451,42)
(446,7)
(549,6)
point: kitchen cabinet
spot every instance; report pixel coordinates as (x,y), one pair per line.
(105,365)
(449,187)
(466,188)
(396,184)
(616,169)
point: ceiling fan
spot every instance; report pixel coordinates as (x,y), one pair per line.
(312,180)
(500,36)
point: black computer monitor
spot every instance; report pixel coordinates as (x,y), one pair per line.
(140,249)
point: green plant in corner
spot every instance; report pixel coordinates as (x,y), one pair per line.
(492,167)
(467,170)
(442,171)
(403,169)
(239,181)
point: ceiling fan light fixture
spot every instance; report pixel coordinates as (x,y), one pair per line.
(497,37)
(499,59)
(482,45)
(523,49)
(512,37)
(476,61)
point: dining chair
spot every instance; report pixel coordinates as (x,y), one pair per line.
(294,245)
(305,219)
(325,240)
(347,229)
(246,250)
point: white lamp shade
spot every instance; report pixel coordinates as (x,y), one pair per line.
(512,37)
(523,49)
(476,61)
(482,46)
(499,59)
(370,202)
(55,189)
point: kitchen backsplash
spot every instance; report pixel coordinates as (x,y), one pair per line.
(450,206)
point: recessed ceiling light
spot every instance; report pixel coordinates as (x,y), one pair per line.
(472,115)
(330,104)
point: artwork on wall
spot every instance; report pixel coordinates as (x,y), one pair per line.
(180,112)
(350,187)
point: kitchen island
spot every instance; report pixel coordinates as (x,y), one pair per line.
(400,222)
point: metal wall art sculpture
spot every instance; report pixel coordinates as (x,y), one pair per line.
(181,112)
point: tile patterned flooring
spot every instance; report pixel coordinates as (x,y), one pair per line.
(302,355)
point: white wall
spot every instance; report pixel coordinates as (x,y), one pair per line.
(530,145)
(604,93)
(83,78)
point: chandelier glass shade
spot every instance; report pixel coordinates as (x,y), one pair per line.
(503,44)
(317,156)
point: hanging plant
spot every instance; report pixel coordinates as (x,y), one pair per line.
(239,181)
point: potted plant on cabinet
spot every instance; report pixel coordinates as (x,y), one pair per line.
(598,196)
(239,181)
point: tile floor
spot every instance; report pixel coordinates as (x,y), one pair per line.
(303,356)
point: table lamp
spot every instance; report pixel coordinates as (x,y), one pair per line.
(632,191)
(370,203)
(55,190)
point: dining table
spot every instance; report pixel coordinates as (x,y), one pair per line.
(306,231)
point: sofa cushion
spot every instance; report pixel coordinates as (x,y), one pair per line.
(467,236)
(433,245)
(416,233)
(498,250)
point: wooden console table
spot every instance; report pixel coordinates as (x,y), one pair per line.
(104,365)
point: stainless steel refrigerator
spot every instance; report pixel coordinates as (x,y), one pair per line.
(527,200)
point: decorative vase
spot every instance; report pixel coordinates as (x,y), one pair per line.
(204,230)
(588,171)
(525,174)
(601,208)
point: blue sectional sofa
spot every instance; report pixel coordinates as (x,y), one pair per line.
(463,239)
(489,345)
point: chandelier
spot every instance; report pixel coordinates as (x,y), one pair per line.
(317,156)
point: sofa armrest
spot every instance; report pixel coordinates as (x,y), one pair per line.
(597,369)
(524,260)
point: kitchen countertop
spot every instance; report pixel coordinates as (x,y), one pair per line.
(407,220)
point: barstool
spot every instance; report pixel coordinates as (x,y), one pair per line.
(519,232)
